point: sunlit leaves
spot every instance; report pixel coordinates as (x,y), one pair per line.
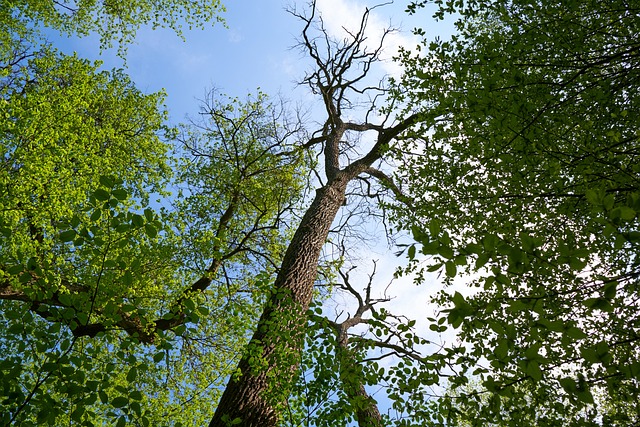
(77,246)
(241,179)
(113,22)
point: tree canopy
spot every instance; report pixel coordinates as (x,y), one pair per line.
(91,265)
(525,172)
(154,273)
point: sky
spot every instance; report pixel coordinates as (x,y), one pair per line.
(256,50)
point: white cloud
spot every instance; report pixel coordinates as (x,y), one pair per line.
(339,15)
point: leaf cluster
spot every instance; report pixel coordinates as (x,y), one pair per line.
(91,266)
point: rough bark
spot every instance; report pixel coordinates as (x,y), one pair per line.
(246,397)
(249,395)
(366,408)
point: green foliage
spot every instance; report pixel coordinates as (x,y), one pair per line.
(90,266)
(384,358)
(528,176)
(241,178)
(112,21)
(65,128)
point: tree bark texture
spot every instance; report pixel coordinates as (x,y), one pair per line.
(249,396)
(366,408)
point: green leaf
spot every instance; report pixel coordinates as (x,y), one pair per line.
(608,202)
(189,304)
(101,194)
(569,385)
(533,370)
(92,385)
(576,333)
(150,230)
(594,197)
(532,352)
(490,242)
(67,236)
(107,181)
(127,278)
(137,220)
(609,290)
(122,228)
(434,227)
(96,215)
(450,269)
(148,214)
(15,270)
(474,248)
(598,304)
(77,414)
(434,267)
(458,299)
(120,402)
(132,374)
(120,194)
(412,252)
(577,264)
(585,396)
(623,212)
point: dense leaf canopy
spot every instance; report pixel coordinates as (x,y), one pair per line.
(97,256)
(136,257)
(526,172)
(113,21)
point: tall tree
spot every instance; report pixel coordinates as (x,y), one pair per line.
(90,254)
(66,129)
(256,394)
(362,359)
(526,173)
(91,268)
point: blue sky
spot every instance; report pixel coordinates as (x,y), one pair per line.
(254,51)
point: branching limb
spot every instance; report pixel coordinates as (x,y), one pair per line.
(389,183)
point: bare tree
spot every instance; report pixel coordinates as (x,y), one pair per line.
(255,395)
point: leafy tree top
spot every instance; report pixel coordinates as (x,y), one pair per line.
(526,174)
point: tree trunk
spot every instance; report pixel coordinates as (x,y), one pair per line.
(366,408)
(258,391)
(251,397)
